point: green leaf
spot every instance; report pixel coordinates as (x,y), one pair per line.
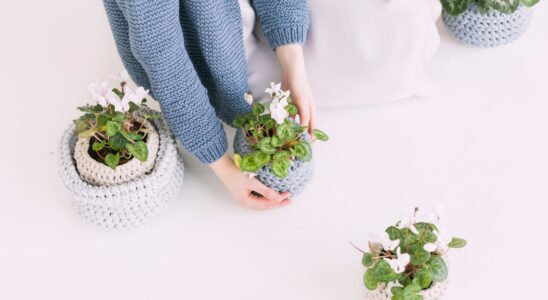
(112,160)
(529,3)
(394,233)
(438,268)
(257,108)
(119,117)
(262,158)
(113,128)
(320,135)
(87,133)
(411,291)
(117,142)
(95,109)
(249,163)
(96,146)
(369,280)
(265,145)
(139,150)
(276,142)
(280,167)
(384,273)
(455,7)
(423,277)
(419,256)
(303,151)
(239,122)
(397,292)
(285,132)
(503,6)
(269,124)
(134,136)
(282,155)
(367,260)
(102,120)
(291,109)
(457,243)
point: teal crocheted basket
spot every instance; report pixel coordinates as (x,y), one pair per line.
(488,30)
(300,172)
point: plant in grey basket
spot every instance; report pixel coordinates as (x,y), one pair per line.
(408,258)
(116,125)
(274,136)
(457,7)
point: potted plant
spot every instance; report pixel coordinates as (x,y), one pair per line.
(118,159)
(409,260)
(271,145)
(487,23)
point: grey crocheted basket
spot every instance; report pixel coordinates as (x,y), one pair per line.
(126,205)
(300,172)
(488,30)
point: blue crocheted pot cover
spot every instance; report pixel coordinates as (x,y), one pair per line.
(488,30)
(299,175)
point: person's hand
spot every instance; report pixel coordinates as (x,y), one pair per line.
(245,189)
(295,79)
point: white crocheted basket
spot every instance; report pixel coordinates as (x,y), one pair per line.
(99,174)
(126,205)
(300,172)
(435,292)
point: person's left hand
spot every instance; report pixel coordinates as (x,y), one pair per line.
(295,79)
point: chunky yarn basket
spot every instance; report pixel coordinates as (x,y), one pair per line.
(126,205)
(488,30)
(435,292)
(99,174)
(299,175)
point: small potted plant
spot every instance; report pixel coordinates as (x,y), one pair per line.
(271,145)
(487,23)
(409,260)
(118,159)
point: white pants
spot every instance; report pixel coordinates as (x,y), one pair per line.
(358,52)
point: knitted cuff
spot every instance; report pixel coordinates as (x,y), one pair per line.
(287,35)
(213,150)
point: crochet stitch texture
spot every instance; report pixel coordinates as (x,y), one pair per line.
(191,55)
(488,30)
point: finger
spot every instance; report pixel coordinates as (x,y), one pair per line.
(312,123)
(304,113)
(260,203)
(267,193)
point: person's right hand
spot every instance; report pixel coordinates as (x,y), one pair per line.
(243,188)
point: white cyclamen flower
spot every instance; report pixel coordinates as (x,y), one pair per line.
(409,222)
(385,241)
(398,264)
(248,98)
(443,240)
(122,76)
(130,96)
(434,216)
(277,110)
(101,93)
(274,89)
(430,247)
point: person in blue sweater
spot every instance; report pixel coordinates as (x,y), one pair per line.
(190,54)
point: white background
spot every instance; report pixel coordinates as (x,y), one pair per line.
(480,147)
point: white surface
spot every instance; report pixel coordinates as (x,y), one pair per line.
(480,147)
(378,49)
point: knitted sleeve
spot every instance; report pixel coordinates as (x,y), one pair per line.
(283,21)
(156,43)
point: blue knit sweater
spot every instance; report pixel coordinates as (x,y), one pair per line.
(190,54)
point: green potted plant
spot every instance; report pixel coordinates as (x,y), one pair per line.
(408,261)
(271,145)
(487,23)
(118,159)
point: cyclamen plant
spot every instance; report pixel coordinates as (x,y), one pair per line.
(274,135)
(115,125)
(409,256)
(457,7)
